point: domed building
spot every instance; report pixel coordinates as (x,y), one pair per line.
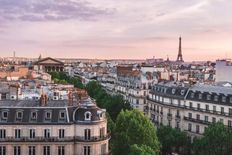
(53,127)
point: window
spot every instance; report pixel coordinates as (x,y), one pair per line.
(61,150)
(206,118)
(200,96)
(214,109)
(19,115)
(103,149)
(61,133)
(87,134)
(198,106)
(222,110)
(221,120)
(47,133)
(213,119)
(173,91)
(2,133)
(87,150)
(190,115)
(62,115)
(207,107)
(88,116)
(215,98)
(32,133)
(17,133)
(178,125)
(198,117)
(192,95)
(230,99)
(223,99)
(31,150)
(46,150)
(182,92)
(4,115)
(33,115)
(2,150)
(48,115)
(208,97)
(190,104)
(189,127)
(102,132)
(197,128)
(17,150)
(229,123)
(230,111)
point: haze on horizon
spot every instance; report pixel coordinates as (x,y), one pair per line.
(111,29)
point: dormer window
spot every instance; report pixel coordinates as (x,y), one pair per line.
(216,98)
(33,115)
(230,99)
(182,92)
(208,97)
(192,95)
(223,99)
(200,96)
(62,115)
(4,115)
(19,115)
(88,116)
(173,91)
(48,115)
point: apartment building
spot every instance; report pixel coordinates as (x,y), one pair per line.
(134,84)
(190,108)
(53,127)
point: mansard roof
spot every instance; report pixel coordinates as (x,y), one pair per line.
(60,112)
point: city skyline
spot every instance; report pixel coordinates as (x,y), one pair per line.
(116,29)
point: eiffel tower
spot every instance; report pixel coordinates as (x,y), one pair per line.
(179,56)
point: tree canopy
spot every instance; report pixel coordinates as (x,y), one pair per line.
(216,140)
(132,127)
(141,150)
(112,103)
(173,140)
(62,78)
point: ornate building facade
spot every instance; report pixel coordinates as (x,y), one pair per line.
(53,127)
(190,108)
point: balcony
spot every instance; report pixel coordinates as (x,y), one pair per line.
(56,139)
(197,120)
(93,138)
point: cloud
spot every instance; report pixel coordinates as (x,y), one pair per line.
(50,10)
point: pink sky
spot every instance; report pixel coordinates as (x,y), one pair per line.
(111,29)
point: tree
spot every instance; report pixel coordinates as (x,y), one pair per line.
(217,139)
(132,127)
(173,140)
(112,103)
(141,150)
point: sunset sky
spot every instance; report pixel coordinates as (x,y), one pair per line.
(108,29)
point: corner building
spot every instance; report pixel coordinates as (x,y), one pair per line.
(49,127)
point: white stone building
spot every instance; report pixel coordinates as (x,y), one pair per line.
(49,127)
(223,71)
(190,108)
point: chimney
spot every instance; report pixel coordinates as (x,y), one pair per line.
(82,94)
(42,100)
(70,98)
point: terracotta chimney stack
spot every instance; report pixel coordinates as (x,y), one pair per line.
(70,98)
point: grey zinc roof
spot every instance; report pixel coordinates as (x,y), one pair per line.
(212,89)
(53,106)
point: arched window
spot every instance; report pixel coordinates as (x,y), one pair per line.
(88,116)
